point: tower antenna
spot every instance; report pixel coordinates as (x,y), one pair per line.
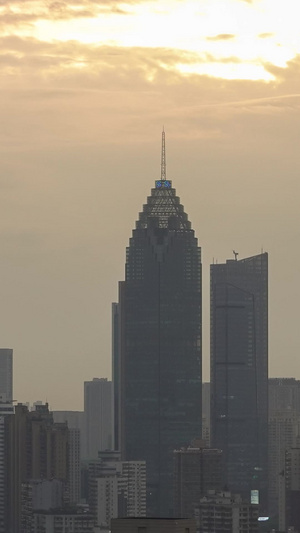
(163,156)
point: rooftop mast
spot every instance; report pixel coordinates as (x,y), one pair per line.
(163,157)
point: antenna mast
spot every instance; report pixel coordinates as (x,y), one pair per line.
(163,157)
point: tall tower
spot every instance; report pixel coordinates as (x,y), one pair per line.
(160,340)
(6,373)
(98,420)
(239,371)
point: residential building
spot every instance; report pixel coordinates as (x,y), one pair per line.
(283,430)
(6,408)
(35,449)
(160,341)
(39,495)
(289,512)
(62,521)
(226,513)
(239,372)
(116,488)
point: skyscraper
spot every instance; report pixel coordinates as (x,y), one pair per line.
(160,340)
(98,419)
(239,371)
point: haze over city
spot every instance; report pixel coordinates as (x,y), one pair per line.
(86,89)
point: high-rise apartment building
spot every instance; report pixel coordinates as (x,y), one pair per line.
(98,417)
(6,408)
(116,488)
(6,373)
(74,420)
(160,340)
(239,371)
(283,432)
(196,471)
(36,449)
(289,509)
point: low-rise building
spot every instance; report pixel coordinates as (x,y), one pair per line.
(223,512)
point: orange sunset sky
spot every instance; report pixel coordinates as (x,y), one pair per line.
(86,88)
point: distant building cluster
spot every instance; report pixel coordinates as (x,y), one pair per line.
(155,450)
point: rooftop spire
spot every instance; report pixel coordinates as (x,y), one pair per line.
(163,156)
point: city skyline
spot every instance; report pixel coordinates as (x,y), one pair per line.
(82,109)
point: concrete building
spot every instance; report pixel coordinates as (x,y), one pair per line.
(239,372)
(39,495)
(6,373)
(153,525)
(283,430)
(284,395)
(289,507)
(62,521)
(98,417)
(116,373)
(196,471)
(74,467)
(226,513)
(6,408)
(116,488)
(160,341)
(75,423)
(36,448)
(75,420)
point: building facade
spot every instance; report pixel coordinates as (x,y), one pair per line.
(196,471)
(284,395)
(239,371)
(153,525)
(226,513)
(116,488)
(160,341)
(6,408)
(6,373)
(98,417)
(35,449)
(62,521)
(283,431)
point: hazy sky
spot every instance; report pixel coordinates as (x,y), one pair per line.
(86,87)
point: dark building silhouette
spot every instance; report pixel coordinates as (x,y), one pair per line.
(153,525)
(196,471)
(160,341)
(239,371)
(35,449)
